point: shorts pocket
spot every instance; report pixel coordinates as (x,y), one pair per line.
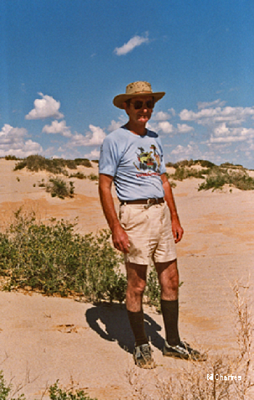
(123,215)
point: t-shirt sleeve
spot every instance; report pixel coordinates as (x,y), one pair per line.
(108,161)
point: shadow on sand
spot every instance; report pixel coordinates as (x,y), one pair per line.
(111,322)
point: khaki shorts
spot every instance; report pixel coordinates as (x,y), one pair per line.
(150,233)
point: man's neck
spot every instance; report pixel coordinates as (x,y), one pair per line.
(136,129)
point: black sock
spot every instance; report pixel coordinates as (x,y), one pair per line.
(169,309)
(138,328)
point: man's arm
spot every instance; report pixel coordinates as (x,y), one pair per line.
(119,236)
(176,226)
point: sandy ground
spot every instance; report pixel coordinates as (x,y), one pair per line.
(43,339)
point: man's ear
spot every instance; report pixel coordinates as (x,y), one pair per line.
(126,107)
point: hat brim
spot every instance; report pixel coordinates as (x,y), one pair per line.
(121,98)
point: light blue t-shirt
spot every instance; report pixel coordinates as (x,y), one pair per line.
(136,163)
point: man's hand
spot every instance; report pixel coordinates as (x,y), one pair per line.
(177,230)
(120,239)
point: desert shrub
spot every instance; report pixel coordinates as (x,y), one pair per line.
(20,165)
(241,181)
(10,157)
(60,188)
(169,164)
(184,173)
(39,163)
(58,394)
(93,177)
(83,161)
(213,182)
(229,165)
(183,163)
(55,393)
(42,183)
(204,163)
(54,259)
(190,163)
(5,390)
(217,178)
(153,291)
(70,164)
(78,175)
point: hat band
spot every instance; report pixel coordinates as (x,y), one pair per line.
(143,92)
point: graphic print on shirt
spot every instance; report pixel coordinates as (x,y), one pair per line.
(148,161)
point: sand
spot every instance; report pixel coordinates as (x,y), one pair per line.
(89,346)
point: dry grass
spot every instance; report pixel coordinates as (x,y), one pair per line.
(219,378)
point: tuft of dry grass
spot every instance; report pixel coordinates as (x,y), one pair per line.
(221,377)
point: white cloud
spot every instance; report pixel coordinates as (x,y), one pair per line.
(206,104)
(95,154)
(223,134)
(172,111)
(183,128)
(228,139)
(9,134)
(222,130)
(211,116)
(184,152)
(57,128)
(97,136)
(165,127)
(12,142)
(114,125)
(161,116)
(130,45)
(45,107)
(93,138)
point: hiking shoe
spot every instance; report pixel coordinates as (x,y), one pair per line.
(143,356)
(183,351)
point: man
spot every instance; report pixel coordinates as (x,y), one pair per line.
(148,225)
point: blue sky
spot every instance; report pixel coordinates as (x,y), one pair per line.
(62,62)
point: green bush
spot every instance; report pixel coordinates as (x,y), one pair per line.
(213,182)
(55,166)
(39,163)
(153,291)
(78,175)
(58,394)
(184,173)
(219,177)
(93,177)
(55,392)
(59,188)
(54,259)
(10,157)
(83,161)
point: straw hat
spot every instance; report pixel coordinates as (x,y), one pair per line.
(136,89)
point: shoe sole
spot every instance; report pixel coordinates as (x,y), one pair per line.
(182,357)
(146,366)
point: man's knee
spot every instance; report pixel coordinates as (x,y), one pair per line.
(136,288)
(168,276)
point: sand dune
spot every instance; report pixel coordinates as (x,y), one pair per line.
(48,338)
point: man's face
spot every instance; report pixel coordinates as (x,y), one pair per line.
(140,109)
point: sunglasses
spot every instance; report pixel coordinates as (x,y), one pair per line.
(138,104)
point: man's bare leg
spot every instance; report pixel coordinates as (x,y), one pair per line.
(136,277)
(169,282)
(169,279)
